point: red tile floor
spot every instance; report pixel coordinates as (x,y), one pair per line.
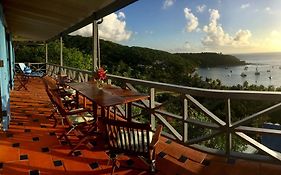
(31,146)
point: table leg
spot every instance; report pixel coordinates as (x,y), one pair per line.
(95,109)
(103,115)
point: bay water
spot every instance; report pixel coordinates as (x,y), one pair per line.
(268,66)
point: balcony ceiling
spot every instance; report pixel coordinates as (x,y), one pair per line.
(42,20)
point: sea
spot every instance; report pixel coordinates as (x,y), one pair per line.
(260,69)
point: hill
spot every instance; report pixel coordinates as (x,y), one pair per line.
(136,62)
(208,59)
(111,51)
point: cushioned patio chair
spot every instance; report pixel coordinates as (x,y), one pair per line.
(133,139)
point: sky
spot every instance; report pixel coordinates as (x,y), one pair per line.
(227,26)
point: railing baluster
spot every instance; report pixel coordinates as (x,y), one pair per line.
(151,106)
(185,117)
(228,131)
(86,77)
(109,81)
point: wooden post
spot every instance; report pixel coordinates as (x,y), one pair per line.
(98,40)
(151,106)
(61,56)
(228,133)
(46,52)
(95,45)
(185,116)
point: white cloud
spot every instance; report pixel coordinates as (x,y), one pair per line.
(216,36)
(113,28)
(192,20)
(201,8)
(242,37)
(85,31)
(244,6)
(121,15)
(168,3)
(150,32)
(268,9)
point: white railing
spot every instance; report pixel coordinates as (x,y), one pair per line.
(186,97)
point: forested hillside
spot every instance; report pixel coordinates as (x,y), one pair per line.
(136,62)
(150,64)
(207,59)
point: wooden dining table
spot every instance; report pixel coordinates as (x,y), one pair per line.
(108,96)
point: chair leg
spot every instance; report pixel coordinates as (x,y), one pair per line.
(52,116)
(65,134)
(66,139)
(152,167)
(22,85)
(72,129)
(23,82)
(76,146)
(115,164)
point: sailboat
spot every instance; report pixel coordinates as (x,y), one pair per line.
(257,72)
(243,74)
(270,77)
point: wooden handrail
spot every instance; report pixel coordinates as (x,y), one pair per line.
(218,126)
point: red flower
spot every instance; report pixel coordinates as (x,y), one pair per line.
(101,74)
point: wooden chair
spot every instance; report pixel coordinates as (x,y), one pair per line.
(133,139)
(23,76)
(81,121)
(50,87)
(67,97)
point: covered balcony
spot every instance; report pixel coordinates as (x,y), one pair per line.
(195,140)
(32,144)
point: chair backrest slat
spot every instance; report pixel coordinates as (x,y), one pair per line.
(134,140)
(138,141)
(148,138)
(120,140)
(128,130)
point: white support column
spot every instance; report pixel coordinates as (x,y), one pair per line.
(61,56)
(46,52)
(98,38)
(95,45)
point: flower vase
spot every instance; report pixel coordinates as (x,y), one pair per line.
(99,84)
